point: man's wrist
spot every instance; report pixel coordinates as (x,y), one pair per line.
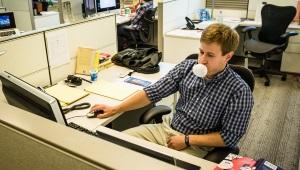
(187,140)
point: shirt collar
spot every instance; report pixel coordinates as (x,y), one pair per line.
(219,75)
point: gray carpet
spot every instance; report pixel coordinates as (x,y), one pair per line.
(274,129)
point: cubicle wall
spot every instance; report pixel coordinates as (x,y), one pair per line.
(172,13)
(96,33)
(26,57)
(30,142)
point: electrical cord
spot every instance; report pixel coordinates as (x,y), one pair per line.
(76,107)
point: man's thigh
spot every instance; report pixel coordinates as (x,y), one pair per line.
(150,132)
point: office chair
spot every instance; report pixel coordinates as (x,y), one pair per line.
(145,33)
(154,115)
(272,38)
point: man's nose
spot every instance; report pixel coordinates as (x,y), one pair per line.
(202,59)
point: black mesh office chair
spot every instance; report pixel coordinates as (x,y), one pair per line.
(272,38)
(154,115)
(143,35)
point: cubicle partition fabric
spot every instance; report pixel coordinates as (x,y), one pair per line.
(97,33)
(45,57)
(26,57)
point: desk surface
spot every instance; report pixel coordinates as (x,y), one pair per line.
(121,19)
(231,22)
(112,75)
(196,34)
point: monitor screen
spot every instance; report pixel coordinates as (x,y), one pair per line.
(7,20)
(89,7)
(27,97)
(106,5)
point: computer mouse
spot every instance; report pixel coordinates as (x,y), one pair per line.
(94,114)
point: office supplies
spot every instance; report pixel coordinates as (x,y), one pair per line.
(86,60)
(94,114)
(137,81)
(77,81)
(66,94)
(111,90)
(76,107)
(189,23)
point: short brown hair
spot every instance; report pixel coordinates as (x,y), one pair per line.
(221,34)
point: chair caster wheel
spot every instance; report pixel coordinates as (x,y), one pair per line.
(267,83)
(283,78)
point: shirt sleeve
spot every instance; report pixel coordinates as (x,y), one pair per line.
(167,85)
(138,15)
(236,117)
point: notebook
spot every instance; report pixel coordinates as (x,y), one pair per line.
(65,93)
(111,90)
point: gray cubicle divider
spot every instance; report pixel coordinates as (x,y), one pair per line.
(29,141)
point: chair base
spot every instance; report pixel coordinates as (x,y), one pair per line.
(263,72)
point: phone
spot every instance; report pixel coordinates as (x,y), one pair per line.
(189,23)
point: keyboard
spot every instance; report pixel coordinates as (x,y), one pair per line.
(7,33)
(82,129)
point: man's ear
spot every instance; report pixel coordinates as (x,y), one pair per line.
(229,56)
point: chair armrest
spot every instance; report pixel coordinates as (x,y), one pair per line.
(288,34)
(155,114)
(248,30)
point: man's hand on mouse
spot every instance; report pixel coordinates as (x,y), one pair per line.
(107,110)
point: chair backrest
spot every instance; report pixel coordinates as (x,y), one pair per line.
(243,72)
(275,20)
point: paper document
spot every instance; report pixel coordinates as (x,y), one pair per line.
(111,90)
(65,93)
(58,48)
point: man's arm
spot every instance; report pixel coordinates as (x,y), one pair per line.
(138,100)
(212,139)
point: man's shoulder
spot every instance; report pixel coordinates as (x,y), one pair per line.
(235,80)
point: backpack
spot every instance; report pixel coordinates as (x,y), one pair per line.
(142,60)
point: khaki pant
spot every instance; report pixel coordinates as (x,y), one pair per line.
(158,133)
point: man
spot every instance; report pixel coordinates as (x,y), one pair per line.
(211,111)
(123,34)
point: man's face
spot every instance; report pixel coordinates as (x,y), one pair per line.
(211,56)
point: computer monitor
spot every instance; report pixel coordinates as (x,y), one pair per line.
(106,5)
(88,8)
(27,97)
(7,20)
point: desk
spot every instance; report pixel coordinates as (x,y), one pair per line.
(178,44)
(122,19)
(112,75)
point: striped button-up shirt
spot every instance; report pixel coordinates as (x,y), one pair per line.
(135,22)
(222,104)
